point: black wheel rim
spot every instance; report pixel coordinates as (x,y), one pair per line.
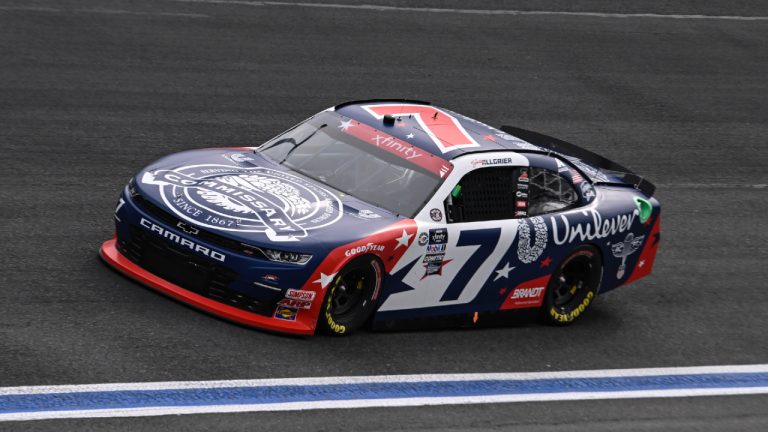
(350,291)
(577,276)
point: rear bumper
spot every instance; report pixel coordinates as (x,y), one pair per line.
(116,260)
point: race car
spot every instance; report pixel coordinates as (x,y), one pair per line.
(388,214)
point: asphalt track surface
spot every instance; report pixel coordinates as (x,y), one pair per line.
(92,91)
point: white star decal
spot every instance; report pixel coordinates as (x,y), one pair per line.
(503,272)
(409,136)
(403,240)
(345,125)
(325,279)
(641,264)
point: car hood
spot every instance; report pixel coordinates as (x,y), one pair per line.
(239,194)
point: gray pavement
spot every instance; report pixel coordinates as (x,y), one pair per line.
(92,91)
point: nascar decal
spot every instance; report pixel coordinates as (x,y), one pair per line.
(283,206)
(442,128)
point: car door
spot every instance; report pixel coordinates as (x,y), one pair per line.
(463,234)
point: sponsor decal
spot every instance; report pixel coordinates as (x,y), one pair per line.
(432,258)
(526,297)
(521,213)
(295,304)
(596,228)
(520,194)
(370,247)
(528,294)
(572,315)
(576,178)
(523,177)
(434,268)
(423,238)
(491,162)
(433,248)
(181,241)
(295,294)
(526,252)
(223,197)
(286,313)
(587,191)
(332,324)
(522,186)
(438,236)
(407,151)
(401,149)
(367,214)
(436,215)
(270,278)
(624,249)
(522,203)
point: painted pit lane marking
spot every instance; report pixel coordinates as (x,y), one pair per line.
(290,394)
(383,8)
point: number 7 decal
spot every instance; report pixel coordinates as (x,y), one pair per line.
(487,239)
(442,128)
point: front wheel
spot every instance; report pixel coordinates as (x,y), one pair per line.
(573,286)
(351,297)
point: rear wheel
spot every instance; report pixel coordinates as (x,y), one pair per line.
(573,286)
(351,297)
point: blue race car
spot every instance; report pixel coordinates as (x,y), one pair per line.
(389,212)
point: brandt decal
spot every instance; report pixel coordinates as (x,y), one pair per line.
(230,198)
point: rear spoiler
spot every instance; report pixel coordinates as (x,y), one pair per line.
(568,149)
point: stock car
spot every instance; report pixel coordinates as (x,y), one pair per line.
(390,214)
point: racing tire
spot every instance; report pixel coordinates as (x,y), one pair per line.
(351,297)
(573,286)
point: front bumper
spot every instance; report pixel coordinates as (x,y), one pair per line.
(115,259)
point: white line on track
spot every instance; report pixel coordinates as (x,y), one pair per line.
(378,403)
(295,394)
(383,8)
(175,385)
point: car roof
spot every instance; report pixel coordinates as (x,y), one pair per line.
(434,129)
(448,135)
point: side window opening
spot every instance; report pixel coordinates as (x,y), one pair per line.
(481,195)
(501,193)
(549,192)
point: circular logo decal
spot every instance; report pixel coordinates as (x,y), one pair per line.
(423,239)
(281,205)
(436,215)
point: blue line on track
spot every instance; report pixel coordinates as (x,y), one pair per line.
(329,392)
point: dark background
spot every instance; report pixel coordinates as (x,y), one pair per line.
(91,91)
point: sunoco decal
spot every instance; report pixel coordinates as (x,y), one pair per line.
(283,206)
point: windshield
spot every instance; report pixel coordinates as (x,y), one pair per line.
(359,160)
